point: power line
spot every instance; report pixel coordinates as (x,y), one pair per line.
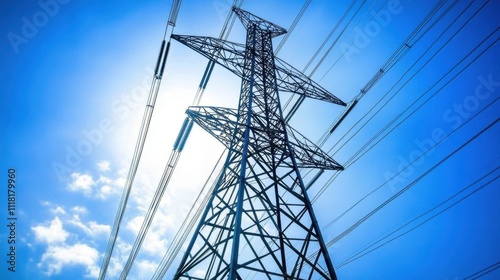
(371,213)
(370,144)
(186,227)
(408,70)
(292,26)
(141,139)
(410,41)
(484,271)
(414,182)
(397,55)
(320,48)
(407,187)
(445,137)
(301,99)
(173,159)
(367,249)
(350,32)
(361,152)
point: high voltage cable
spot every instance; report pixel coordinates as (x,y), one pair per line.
(350,32)
(323,45)
(397,55)
(407,187)
(407,71)
(361,152)
(423,154)
(410,185)
(368,249)
(484,271)
(370,144)
(352,158)
(334,29)
(356,156)
(334,43)
(294,24)
(186,227)
(301,99)
(188,222)
(153,93)
(172,162)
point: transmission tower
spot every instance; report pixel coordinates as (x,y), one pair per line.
(259,220)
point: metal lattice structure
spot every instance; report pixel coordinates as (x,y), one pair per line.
(259,220)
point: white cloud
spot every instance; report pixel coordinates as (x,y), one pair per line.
(59,252)
(105,191)
(134,225)
(81,182)
(99,228)
(58,210)
(82,234)
(103,165)
(58,256)
(53,233)
(92,228)
(111,187)
(101,188)
(45,203)
(79,209)
(155,242)
(104,180)
(120,182)
(146,267)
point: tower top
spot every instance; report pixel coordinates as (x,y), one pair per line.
(249,19)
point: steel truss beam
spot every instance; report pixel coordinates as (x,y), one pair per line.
(231,55)
(222,122)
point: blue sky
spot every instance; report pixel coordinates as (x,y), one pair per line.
(76,75)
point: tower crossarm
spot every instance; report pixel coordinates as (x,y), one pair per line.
(292,80)
(308,154)
(221,123)
(218,121)
(248,19)
(226,53)
(231,56)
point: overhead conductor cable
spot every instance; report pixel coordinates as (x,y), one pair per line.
(146,120)
(171,164)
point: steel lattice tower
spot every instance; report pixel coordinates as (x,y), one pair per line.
(259,219)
